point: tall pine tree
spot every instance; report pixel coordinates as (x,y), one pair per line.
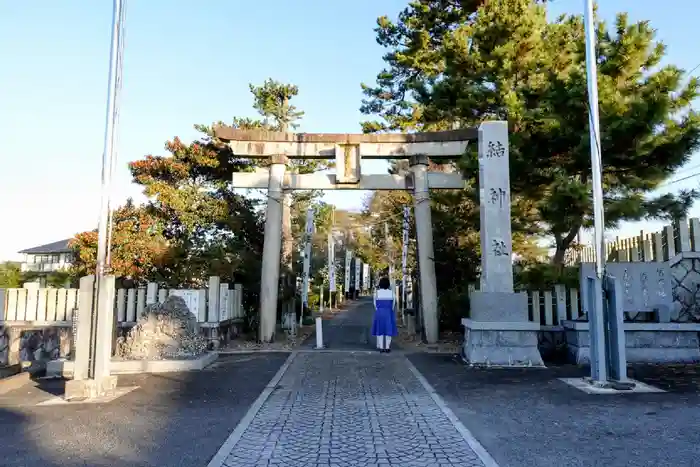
(272,100)
(457,63)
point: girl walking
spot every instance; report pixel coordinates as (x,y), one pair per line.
(384,325)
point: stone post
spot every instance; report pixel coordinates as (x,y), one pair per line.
(106,294)
(499,332)
(272,249)
(90,381)
(81,339)
(424,237)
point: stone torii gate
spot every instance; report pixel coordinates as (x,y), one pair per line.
(348,150)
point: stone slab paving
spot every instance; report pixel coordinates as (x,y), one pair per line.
(350,409)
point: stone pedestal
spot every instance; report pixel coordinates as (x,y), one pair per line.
(644,342)
(14,341)
(90,388)
(499,332)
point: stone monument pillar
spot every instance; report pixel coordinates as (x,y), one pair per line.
(499,332)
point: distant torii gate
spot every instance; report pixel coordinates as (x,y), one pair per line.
(348,150)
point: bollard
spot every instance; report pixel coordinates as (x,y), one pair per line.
(319,333)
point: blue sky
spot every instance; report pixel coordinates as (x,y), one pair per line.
(190,62)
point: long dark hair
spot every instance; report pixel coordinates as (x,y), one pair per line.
(384,283)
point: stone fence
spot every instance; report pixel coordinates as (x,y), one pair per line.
(37,323)
(661,312)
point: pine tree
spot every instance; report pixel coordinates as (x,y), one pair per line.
(457,63)
(272,100)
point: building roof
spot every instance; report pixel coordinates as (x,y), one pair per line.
(55,247)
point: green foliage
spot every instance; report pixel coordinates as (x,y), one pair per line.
(457,63)
(10,275)
(544,276)
(210,229)
(139,250)
(194,224)
(271,100)
(456,238)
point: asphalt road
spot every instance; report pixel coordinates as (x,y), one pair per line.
(174,419)
(528,418)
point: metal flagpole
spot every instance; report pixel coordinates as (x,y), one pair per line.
(115,139)
(598,351)
(111,122)
(108,156)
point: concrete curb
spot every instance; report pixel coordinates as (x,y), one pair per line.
(64,368)
(473,443)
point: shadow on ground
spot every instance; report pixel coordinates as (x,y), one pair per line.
(529,418)
(174,419)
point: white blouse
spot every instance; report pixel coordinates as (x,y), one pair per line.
(384,294)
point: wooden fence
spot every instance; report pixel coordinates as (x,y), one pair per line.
(38,307)
(679,237)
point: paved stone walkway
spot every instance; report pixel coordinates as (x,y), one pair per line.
(350,409)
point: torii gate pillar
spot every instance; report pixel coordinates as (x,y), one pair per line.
(424,237)
(272,249)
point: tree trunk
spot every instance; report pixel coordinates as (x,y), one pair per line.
(562,244)
(559,255)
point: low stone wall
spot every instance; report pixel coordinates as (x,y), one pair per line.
(29,344)
(645,342)
(54,342)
